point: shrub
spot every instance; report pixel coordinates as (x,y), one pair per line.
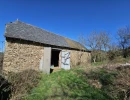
(23,82)
(106,77)
(5,89)
(111,55)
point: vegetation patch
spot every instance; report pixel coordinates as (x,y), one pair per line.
(22,83)
(66,85)
(74,84)
(5,89)
(116,82)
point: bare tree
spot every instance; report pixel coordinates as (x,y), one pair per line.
(98,42)
(124,39)
(92,43)
(82,39)
(113,47)
(105,40)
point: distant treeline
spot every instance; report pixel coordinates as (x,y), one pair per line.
(102,46)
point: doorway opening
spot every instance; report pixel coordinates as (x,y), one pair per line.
(54,60)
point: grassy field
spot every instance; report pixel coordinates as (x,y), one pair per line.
(74,84)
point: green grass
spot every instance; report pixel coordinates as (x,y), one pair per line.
(66,85)
(97,64)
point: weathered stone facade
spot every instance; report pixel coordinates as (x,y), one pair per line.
(20,55)
(79,57)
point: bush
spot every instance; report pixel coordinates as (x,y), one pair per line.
(111,55)
(104,76)
(119,59)
(23,82)
(5,89)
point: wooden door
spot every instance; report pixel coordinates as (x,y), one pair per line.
(65,60)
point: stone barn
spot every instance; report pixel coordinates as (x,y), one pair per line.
(28,46)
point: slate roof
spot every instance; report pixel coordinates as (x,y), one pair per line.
(21,30)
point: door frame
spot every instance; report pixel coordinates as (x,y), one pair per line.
(47,60)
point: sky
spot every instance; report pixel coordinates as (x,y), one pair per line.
(68,18)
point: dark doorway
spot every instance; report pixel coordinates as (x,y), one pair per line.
(54,59)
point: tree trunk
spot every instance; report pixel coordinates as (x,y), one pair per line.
(94,60)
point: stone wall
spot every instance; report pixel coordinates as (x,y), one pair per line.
(20,55)
(80,58)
